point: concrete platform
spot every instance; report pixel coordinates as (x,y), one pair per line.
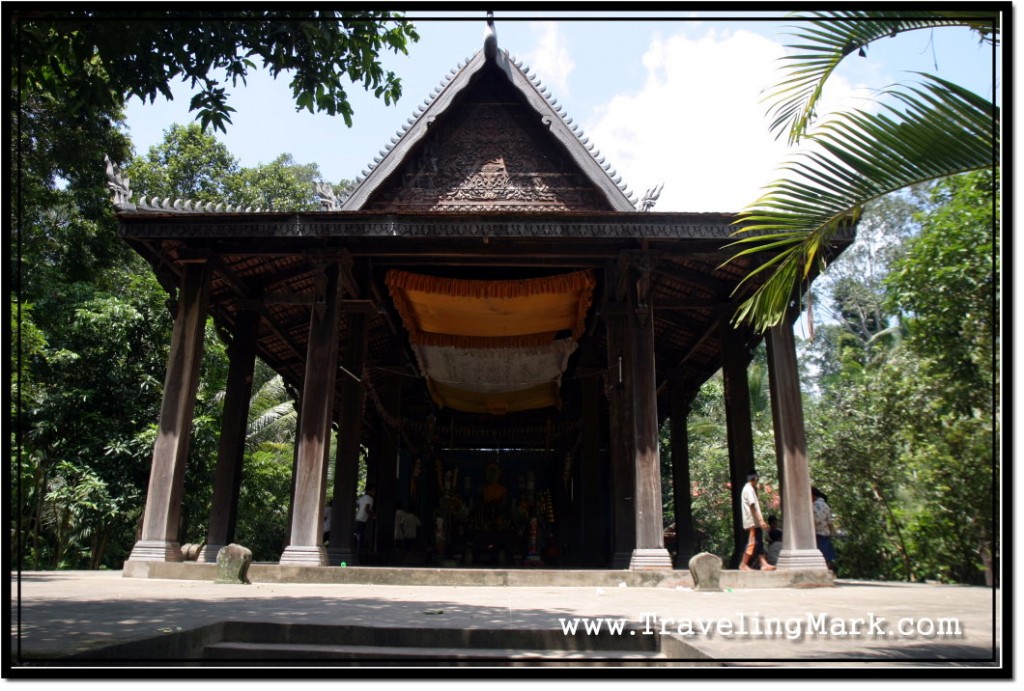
(157,622)
(465,577)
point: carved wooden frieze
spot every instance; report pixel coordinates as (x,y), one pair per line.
(425,228)
(494,156)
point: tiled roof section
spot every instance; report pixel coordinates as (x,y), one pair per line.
(590,160)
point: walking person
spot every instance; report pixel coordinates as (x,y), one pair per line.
(754,523)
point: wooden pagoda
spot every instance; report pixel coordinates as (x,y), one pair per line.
(497,325)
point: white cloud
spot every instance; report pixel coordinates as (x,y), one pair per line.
(550,60)
(698,123)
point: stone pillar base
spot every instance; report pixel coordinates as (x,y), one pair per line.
(650,558)
(208,555)
(298,555)
(801,559)
(156,550)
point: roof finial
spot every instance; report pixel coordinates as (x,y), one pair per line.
(490,38)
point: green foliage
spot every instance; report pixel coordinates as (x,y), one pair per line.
(77,430)
(188,164)
(901,416)
(95,59)
(263,503)
(89,320)
(192,164)
(923,131)
(907,428)
(947,285)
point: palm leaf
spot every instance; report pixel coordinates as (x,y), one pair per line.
(857,157)
(828,37)
(272,414)
(273,424)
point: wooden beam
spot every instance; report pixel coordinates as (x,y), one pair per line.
(712,328)
(682,273)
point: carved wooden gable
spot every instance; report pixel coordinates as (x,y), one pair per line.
(491,151)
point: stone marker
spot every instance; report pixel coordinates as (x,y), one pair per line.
(233,564)
(706,569)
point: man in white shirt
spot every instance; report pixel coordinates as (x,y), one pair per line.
(753,523)
(363,512)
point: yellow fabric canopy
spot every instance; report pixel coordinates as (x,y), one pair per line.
(493,346)
(494,314)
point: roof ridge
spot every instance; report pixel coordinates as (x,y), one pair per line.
(120,186)
(417,113)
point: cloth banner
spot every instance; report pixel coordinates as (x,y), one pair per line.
(493,346)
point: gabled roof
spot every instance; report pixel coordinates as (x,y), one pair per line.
(589,162)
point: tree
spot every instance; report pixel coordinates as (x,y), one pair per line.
(192,164)
(90,321)
(906,427)
(188,164)
(947,286)
(924,131)
(94,60)
(852,295)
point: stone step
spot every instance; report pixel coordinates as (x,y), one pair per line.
(232,651)
(630,640)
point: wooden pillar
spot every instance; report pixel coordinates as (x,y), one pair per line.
(649,552)
(387,469)
(306,546)
(350,426)
(227,478)
(773,386)
(592,524)
(735,358)
(685,540)
(618,387)
(159,541)
(799,547)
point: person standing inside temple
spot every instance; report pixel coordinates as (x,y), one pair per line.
(753,523)
(364,509)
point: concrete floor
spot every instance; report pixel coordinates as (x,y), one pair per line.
(879,624)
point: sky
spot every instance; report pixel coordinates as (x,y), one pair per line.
(677,100)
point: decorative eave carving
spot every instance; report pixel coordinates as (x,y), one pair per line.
(650,198)
(328,200)
(353,225)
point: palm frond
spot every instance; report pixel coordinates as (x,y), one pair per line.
(273,424)
(272,414)
(856,157)
(828,37)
